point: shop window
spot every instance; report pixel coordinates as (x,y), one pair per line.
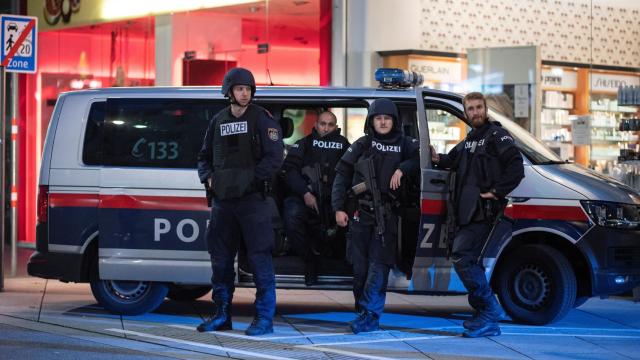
(155,132)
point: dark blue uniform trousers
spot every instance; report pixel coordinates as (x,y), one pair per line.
(302,225)
(249,216)
(371,264)
(467,246)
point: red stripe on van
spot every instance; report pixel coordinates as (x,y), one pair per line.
(546,212)
(433,207)
(519,211)
(153,202)
(73,200)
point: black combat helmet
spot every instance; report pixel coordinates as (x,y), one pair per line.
(238,76)
(382,107)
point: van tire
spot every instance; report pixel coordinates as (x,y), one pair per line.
(536,285)
(129,297)
(187,292)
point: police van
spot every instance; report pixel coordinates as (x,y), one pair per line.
(120,205)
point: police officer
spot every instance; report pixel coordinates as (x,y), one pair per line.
(489,166)
(242,151)
(309,169)
(394,157)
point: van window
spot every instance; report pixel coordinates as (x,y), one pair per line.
(537,152)
(91,151)
(304,120)
(445,130)
(164,133)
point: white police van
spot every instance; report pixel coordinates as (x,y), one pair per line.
(120,205)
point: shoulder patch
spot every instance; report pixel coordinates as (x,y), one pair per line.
(273,134)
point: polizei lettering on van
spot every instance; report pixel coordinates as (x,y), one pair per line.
(233,128)
(327,144)
(187,230)
(386,148)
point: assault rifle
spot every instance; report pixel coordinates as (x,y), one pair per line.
(319,186)
(370,183)
(451,224)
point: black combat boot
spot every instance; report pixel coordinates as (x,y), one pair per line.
(477,305)
(311,269)
(259,326)
(220,321)
(365,322)
(486,324)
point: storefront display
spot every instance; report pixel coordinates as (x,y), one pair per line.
(628,168)
(564,102)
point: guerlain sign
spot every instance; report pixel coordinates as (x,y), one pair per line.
(439,71)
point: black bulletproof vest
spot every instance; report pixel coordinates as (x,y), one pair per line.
(325,151)
(477,169)
(234,148)
(386,156)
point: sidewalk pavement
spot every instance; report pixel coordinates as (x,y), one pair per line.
(43,319)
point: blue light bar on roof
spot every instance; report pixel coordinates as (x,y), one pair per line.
(397,78)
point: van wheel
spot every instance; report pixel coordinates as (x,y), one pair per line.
(536,285)
(187,292)
(129,297)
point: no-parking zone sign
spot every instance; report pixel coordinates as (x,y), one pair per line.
(19,35)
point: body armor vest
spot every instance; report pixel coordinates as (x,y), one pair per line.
(386,156)
(478,168)
(325,151)
(235,144)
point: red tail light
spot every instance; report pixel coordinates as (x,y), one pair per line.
(43,203)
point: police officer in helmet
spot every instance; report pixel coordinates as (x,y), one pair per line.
(241,153)
(390,157)
(488,166)
(309,172)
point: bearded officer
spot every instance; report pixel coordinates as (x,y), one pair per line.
(489,166)
(394,157)
(241,153)
(309,218)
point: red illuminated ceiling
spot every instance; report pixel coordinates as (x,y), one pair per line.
(292,23)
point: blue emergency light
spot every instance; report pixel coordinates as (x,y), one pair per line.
(397,78)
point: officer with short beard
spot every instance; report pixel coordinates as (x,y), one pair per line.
(395,157)
(241,153)
(302,207)
(489,166)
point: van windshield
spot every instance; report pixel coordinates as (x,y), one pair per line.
(537,152)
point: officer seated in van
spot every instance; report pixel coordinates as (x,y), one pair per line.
(309,173)
(374,168)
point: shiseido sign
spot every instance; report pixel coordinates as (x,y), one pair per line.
(440,71)
(610,82)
